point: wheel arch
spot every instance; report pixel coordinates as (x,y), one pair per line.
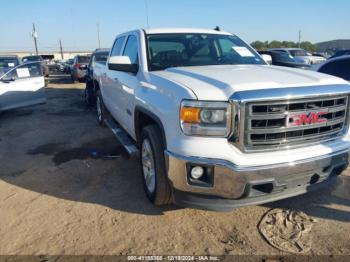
(96,85)
(144,117)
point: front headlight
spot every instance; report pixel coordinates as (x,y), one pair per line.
(203,118)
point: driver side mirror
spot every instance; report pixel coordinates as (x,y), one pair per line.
(122,63)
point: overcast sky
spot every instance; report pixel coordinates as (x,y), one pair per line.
(75,22)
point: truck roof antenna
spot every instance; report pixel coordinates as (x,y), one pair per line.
(217,28)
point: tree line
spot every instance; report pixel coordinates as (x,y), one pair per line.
(259,45)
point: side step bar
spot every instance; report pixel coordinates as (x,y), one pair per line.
(123,137)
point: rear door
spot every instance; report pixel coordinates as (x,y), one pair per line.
(110,87)
(22,86)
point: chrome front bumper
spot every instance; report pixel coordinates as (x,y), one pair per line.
(235,186)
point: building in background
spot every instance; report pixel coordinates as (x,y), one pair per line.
(49,55)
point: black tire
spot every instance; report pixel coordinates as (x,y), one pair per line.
(162,194)
(89,96)
(100,109)
(72,78)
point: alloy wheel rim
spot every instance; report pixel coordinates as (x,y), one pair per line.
(148,166)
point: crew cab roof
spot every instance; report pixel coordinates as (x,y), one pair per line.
(184,30)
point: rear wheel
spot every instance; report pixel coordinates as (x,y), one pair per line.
(100,109)
(89,96)
(155,180)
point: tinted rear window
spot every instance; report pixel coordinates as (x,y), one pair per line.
(83,59)
(31,58)
(101,57)
(8,62)
(298,52)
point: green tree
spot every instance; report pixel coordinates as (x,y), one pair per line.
(275,44)
(258,45)
(288,44)
(308,46)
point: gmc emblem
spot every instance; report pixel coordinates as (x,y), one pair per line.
(306,119)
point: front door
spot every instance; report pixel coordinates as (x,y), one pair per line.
(128,82)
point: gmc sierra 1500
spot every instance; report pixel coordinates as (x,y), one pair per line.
(215,126)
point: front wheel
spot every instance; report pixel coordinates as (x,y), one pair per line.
(72,78)
(155,180)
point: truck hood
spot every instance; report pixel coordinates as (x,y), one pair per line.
(220,82)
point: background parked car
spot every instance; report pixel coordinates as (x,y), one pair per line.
(67,65)
(97,63)
(341,53)
(22,85)
(8,62)
(52,65)
(284,59)
(300,55)
(79,67)
(338,66)
(324,55)
(38,58)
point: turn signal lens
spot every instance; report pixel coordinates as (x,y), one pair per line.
(190,115)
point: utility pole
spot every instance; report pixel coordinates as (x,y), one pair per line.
(61,49)
(35,36)
(147,17)
(299,38)
(98,35)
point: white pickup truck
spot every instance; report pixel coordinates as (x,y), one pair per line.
(214,126)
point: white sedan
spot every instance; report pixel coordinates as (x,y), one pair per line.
(22,86)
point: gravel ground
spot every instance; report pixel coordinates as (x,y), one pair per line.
(56,199)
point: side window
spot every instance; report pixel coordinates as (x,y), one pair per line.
(340,68)
(131,49)
(24,71)
(226,45)
(117,47)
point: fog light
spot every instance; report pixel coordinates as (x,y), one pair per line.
(197,172)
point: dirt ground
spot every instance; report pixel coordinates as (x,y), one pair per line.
(56,199)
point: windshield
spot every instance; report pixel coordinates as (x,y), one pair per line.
(173,50)
(83,59)
(31,58)
(298,52)
(6,63)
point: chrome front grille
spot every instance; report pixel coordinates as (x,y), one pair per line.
(291,122)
